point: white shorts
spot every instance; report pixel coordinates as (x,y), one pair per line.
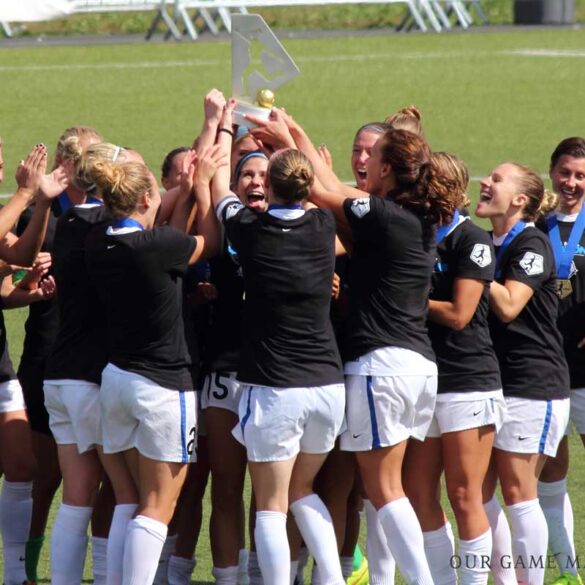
(138,413)
(461,411)
(11,397)
(383,411)
(221,390)
(577,411)
(74,412)
(533,426)
(278,423)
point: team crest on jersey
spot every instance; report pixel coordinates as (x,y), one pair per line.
(481,255)
(360,207)
(232,209)
(532,263)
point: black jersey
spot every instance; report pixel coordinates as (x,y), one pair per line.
(571,319)
(139,278)
(43,318)
(225,334)
(390,277)
(288,271)
(80,349)
(466,359)
(529,348)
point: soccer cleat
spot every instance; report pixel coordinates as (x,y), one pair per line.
(567,578)
(360,575)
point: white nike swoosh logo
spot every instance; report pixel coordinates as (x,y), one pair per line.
(286,229)
(110,247)
(71,219)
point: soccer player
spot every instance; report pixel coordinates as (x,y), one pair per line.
(147,398)
(470,403)
(291,408)
(566,227)
(528,344)
(73,371)
(16,452)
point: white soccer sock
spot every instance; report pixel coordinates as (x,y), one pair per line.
(145,538)
(117,537)
(225,575)
(15,515)
(529,541)
(243,578)
(254,572)
(162,570)
(405,540)
(303,560)
(180,570)
(558,511)
(475,559)
(99,552)
(439,550)
(316,527)
(294,566)
(501,561)
(381,563)
(69,544)
(272,547)
(346,566)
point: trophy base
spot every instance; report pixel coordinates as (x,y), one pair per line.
(243,108)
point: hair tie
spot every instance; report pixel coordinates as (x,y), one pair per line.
(116,153)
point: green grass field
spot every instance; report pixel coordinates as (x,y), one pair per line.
(487,97)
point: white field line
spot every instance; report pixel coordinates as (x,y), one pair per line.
(386,56)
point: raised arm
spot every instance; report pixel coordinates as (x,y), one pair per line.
(213,107)
(27,179)
(24,250)
(211,162)
(220,187)
(184,210)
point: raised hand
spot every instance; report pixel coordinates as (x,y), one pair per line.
(325,155)
(30,171)
(273,131)
(214,105)
(53,184)
(210,159)
(188,170)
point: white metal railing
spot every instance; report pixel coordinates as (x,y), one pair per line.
(215,14)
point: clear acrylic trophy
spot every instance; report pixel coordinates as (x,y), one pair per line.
(260,64)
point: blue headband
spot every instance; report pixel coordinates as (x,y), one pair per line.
(244,160)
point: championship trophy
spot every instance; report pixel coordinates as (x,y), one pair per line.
(260,64)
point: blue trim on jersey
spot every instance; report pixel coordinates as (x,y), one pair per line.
(546,426)
(185,454)
(127,222)
(375,434)
(248,410)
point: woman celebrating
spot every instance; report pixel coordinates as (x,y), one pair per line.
(470,402)
(221,391)
(291,409)
(528,344)
(147,398)
(565,228)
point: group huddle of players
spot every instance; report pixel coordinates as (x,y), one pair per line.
(346,346)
